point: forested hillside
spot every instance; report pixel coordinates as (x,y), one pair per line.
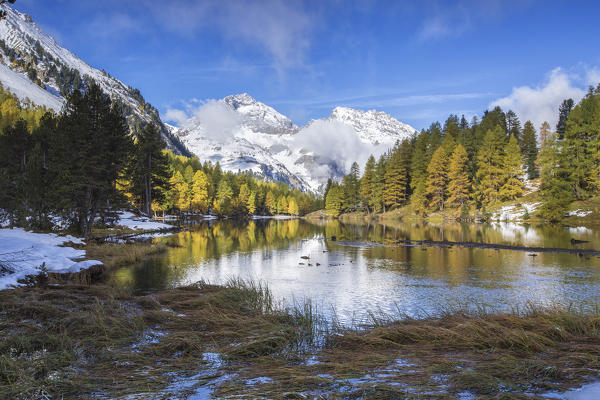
(78,168)
(461,166)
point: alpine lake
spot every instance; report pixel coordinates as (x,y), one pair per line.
(352,272)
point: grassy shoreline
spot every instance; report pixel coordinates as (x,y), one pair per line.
(65,339)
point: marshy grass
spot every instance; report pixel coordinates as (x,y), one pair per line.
(121,254)
(73,341)
(79,341)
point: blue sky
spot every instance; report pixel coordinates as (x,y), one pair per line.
(417,60)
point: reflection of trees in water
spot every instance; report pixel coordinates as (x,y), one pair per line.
(212,240)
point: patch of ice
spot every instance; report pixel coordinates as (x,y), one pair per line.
(400,362)
(312,360)
(24,253)
(151,336)
(261,380)
(213,359)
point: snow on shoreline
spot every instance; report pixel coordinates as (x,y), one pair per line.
(22,253)
(131,221)
(514,212)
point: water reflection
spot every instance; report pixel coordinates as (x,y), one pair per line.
(353,278)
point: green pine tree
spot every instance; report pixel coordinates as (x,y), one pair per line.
(582,136)
(529,149)
(367,183)
(556,188)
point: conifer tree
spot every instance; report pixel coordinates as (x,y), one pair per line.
(90,153)
(419,198)
(555,190)
(378,199)
(529,149)
(222,204)
(200,195)
(251,203)
(181,192)
(243,197)
(271,203)
(437,179)
(367,182)
(459,184)
(148,171)
(513,125)
(334,202)
(350,184)
(397,175)
(282,205)
(582,135)
(544,131)
(420,159)
(451,128)
(563,115)
(513,161)
(293,207)
(490,164)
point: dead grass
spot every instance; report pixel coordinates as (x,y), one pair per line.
(120,254)
(74,341)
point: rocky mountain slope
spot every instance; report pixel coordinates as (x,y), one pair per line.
(35,67)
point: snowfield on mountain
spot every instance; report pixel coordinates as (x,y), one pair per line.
(242,133)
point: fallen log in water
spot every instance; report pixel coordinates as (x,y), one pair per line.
(492,246)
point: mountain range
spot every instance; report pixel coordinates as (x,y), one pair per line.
(238,131)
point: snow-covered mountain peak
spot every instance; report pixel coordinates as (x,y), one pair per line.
(373,126)
(240,100)
(259,117)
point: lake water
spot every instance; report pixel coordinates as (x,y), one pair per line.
(358,273)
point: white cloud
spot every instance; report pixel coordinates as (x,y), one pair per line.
(592,76)
(541,103)
(217,119)
(452,20)
(179,117)
(336,142)
(280,28)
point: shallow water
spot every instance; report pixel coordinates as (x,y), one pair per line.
(357,274)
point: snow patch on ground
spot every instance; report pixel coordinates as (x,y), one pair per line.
(131,221)
(590,391)
(23,253)
(579,213)
(281,217)
(514,212)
